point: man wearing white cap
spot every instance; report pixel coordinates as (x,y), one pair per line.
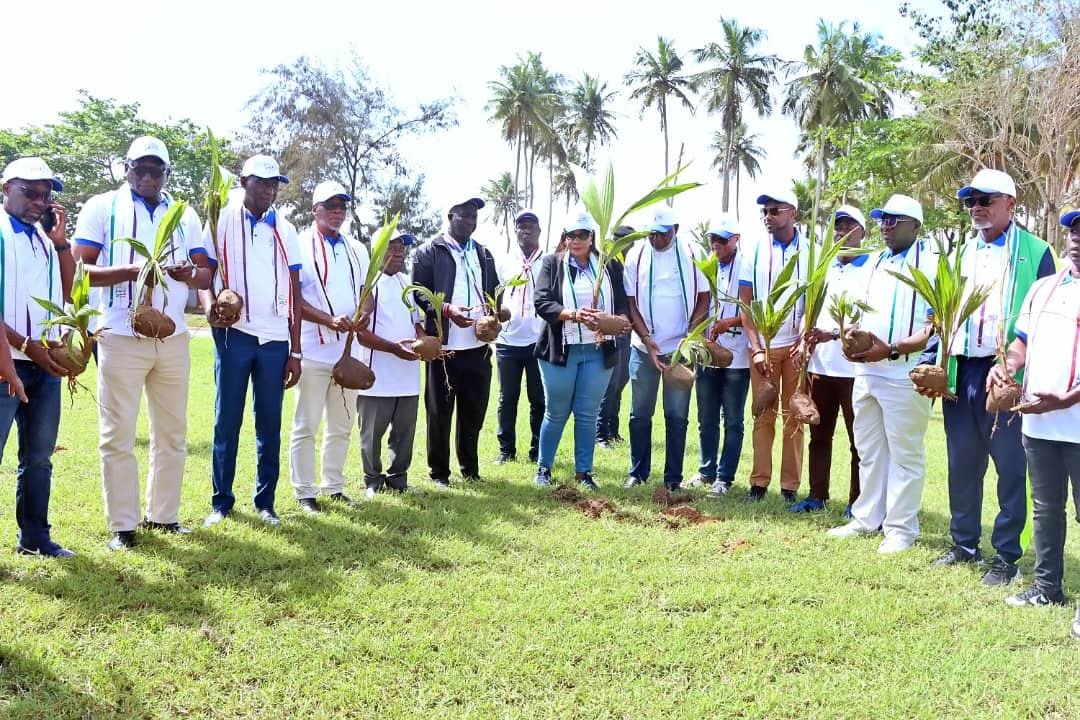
(334,267)
(667,296)
(454,264)
(1010,259)
(722,391)
(831,374)
(129,364)
(514,350)
(764,262)
(261,261)
(890,416)
(1047,344)
(33,264)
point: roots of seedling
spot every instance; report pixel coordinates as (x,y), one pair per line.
(150,322)
(228,306)
(679,377)
(803,408)
(721,356)
(428,348)
(1002,398)
(855,341)
(932,378)
(764,398)
(488,328)
(352,374)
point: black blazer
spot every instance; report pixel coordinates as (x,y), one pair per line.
(434,268)
(548,300)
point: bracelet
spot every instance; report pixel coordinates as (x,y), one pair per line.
(25,344)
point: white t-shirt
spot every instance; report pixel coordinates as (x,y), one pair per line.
(524,327)
(665,284)
(31,269)
(392,321)
(581,297)
(331,279)
(100,226)
(828,357)
(468,293)
(898,311)
(727,281)
(760,268)
(1049,322)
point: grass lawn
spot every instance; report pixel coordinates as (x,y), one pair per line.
(496,601)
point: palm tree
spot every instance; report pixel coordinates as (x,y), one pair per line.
(742,152)
(589,115)
(737,75)
(505,201)
(655,79)
(843,80)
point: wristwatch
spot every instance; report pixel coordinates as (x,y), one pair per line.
(894,352)
(296,355)
(835,334)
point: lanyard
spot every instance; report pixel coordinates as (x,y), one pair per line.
(1076,334)
(1013,249)
(526,272)
(727,287)
(590,274)
(3,275)
(470,274)
(682,281)
(896,289)
(783,251)
(318,240)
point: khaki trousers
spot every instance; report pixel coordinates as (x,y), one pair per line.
(784,375)
(317,396)
(127,365)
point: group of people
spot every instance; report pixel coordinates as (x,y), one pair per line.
(577,331)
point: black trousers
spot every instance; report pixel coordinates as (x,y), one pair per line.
(462,380)
(513,362)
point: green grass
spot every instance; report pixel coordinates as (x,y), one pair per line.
(496,601)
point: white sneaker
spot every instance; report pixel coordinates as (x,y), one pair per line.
(369,493)
(895,544)
(852,529)
(696,481)
(718,490)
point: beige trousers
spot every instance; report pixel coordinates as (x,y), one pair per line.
(317,396)
(127,365)
(784,376)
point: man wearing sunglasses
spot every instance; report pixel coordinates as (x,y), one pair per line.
(763,264)
(129,364)
(1010,259)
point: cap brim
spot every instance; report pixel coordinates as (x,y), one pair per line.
(575,228)
(660,228)
(280,178)
(849,216)
(876,213)
(405,238)
(1069,218)
(343,196)
(968,189)
(57,186)
(476,202)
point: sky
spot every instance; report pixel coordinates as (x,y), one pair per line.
(202,60)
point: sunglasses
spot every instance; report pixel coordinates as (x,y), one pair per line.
(888,221)
(719,240)
(981,200)
(333,207)
(767,211)
(152,170)
(579,235)
(34,195)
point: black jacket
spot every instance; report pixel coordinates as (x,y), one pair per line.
(434,268)
(549,303)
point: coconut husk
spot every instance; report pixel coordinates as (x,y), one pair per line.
(721,356)
(228,306)
(610,325)
(349,372)
(803,408)
(679,377)
(764,397)
(487,328)
(504,315)
(1002,398)
(428,348)
(150,322)
(74,365)
(932,378)
(855,341)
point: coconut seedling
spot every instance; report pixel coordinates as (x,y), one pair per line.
(76,341)
(429,347)
(720,356)
(692,350)
(952,304)
(227,304)
(489,326)
(146,320)
(847,311)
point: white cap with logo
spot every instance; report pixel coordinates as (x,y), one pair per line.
(902,205)
(31,168)
(850,211)
(664,220)
(781,196)
(147,146)
(726,228)
(328,189)
(262,166)
(989,181)
(579,219)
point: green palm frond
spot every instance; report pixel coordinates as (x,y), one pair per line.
(380,243)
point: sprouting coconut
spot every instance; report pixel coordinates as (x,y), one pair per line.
(803,408)
(691,351)
(77,342)
(146,320)
(428,347)
(846,311)
(1003,398)
(228,305)
(720,356)
(504,315)
(765,397)
(610,325)
(349,372)
(679,376)
(488,327)
(856,340)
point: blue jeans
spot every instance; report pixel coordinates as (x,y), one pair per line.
(240,359)
(513,361)
(575,388)
(721,391)
(607,423)
(644,387)
(38,421)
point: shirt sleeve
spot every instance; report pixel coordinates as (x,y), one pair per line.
(746,271)
(90,225)
(629,273)
(292,247)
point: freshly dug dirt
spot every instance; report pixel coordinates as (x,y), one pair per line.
(488,328)
(593,508)
(228,306)
(735,545)
(666,498)
(352,374)
(764,399)
(150,322)
(428,348)
(567,494)
(1002,399)
(855,340)
(721,356)
(930,377)
(679,376)
(683,515)
(803,408)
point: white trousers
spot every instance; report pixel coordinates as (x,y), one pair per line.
(127,365)
(317,396)
(890,429)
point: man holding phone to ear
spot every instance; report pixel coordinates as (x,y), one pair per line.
(128,363)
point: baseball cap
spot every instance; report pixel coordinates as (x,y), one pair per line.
(328,189)
(579,220)
(726,228)
(31,168)
(406,238)
(476,202)
(1067,219)
(899,205)
(780,196)
(664,220)
(850,211)
(989,181)
(527,214)
(623,230)
(147,146)
(263,166)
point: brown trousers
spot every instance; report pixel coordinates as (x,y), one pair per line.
(785,376)
(832,395)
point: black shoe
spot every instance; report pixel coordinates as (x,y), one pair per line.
(586,481)
(1035,596)
(533,457)
(505,457)
(1001,572)
(171,528)
(309,506)
(343,499)
(123,540)
(789,496)
(956,555)
(543,477)
(49,549)
(269,517)
(756,494)
(633,481)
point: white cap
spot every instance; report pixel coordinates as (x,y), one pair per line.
(899,205)
(989,182)
(579,219)
(31,168)
(147,146)
(850,211)
(780,196)
(725,228)
(328,189)
(664,220)
(262,166)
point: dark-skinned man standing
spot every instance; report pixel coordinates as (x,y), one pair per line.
(454,264)
(129,364)
(668,296)
(33,263)
(607,420)
(260,260)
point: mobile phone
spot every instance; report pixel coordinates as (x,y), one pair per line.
(48,219)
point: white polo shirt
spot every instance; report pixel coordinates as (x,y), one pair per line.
(468,293)
(727,281)
(1049,323)
(331,279)
(30,269)
(898,311)
(762,265)
(392,321)
(110,216)
(665,284)
(828,357)
(524,327)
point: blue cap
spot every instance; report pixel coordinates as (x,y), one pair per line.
(1070,217)
(476,202)
(527,215)
(406,238)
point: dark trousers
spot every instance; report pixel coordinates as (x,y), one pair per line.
(469,374)
(513,362)
(970,446)
(38,421)
(832,395)
(607,422)
(721,393)
(1052,464)
(240,359)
